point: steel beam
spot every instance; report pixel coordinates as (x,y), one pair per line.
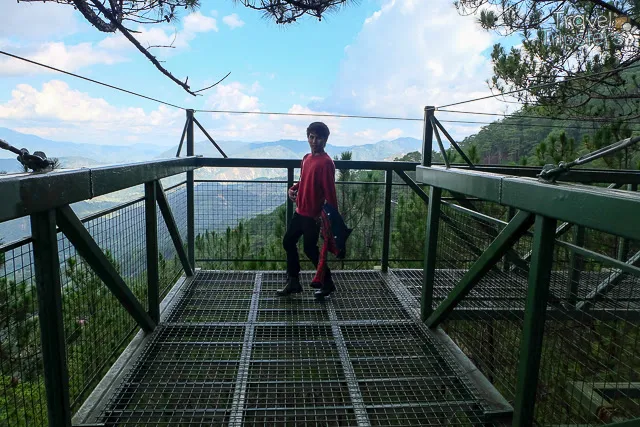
(566,202)
(427,137)
(165,210)
(412,184)
(204,131)
(89,250)
(151,230)
(430,253)
(576,264)
(48,286)
(386,229)
(295,163)
(25,194)
(496,250)
(534,318)
(607,285)
(453,143)
(191,238)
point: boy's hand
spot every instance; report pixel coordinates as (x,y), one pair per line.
(293,194)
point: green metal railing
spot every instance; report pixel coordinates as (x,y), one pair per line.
(551,318)
(87,285)
(96,326)
(502,273)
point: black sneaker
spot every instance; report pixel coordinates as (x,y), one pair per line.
(318,285)
(293,287)
(325,290)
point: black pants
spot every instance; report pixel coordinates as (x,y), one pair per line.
(309,228)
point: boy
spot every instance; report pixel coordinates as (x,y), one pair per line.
(317,185)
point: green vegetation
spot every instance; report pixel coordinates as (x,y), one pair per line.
(97,329)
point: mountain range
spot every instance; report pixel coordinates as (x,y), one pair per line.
(74,155)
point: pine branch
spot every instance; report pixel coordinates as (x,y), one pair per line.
(141,48)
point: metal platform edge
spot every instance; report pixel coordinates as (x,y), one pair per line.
(93,405)
(498,409)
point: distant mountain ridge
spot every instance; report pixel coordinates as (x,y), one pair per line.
(102,154)
(74,155)
(79,155)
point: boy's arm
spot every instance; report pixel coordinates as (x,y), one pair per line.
(295,186)
(329,185)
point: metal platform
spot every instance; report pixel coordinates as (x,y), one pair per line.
(229,352)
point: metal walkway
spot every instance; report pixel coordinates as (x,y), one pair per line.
(231,353)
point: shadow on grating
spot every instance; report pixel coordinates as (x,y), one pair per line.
(231,349)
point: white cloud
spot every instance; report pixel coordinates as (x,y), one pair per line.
(58,111)
(383,74)
(393,134)
(147,36)
(58,55)
(37,21)
(232,96)
(198,23)
(192,25)
(233,21)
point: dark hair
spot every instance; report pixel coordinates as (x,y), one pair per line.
(319,129)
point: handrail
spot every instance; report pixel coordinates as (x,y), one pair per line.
(605,209)
(592,207)
(26,194)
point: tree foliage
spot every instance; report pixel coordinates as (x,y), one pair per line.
(583,43)
(112,16)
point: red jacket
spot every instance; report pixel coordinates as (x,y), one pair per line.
(317,184)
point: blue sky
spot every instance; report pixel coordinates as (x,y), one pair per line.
(379,57)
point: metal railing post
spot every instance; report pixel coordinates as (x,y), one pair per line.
(427,138)
(289,208)
(151,228)
(623,244)
(386,237)
(191,240)
(430,248)
(576,264)
(534,318)
(48,286)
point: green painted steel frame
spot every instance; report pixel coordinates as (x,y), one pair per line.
(629,423)
(165,210)
(26,194)
(430,252)
(49,290)
(191,238)
(88,249)
(386,237)
(534,319)
(496,250)
(591,207)
(427,137)
(151,231)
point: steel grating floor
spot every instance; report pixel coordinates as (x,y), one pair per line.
(231,353)
(507,291)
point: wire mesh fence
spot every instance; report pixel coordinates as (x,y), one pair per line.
(169,266)
(97,327)
(590,366)
(240,224)
(22,396)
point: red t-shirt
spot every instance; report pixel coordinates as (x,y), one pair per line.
(317,184)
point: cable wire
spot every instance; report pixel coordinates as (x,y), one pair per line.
(570,79)
(91,80)
(511,124)
(343,116)
(525,116)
